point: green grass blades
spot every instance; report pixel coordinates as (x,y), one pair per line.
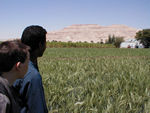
(92,80)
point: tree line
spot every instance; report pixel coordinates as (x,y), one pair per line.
(144,37)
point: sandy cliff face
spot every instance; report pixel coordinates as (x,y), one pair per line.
(91,32)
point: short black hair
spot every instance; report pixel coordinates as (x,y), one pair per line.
(33,35)
(12,52)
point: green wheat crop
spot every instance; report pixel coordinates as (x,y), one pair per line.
(92,80)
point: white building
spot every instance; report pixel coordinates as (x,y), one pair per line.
(131,43)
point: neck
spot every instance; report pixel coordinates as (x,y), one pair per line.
(33,58)
(10,77)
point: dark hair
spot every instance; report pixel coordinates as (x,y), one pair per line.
(12,52)
(33,35)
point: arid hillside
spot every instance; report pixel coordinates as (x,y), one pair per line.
(91,32)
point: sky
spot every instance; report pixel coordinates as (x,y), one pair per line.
(16,15)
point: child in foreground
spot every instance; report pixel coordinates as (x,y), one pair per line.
(14,58)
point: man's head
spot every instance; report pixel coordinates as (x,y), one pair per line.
(35,37)
(14,55)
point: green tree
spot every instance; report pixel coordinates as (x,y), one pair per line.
(118,41)
(144,37)
(115,40)
(111,39)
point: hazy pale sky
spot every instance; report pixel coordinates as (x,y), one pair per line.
(15,15)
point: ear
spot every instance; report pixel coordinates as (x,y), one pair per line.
(18,65)
(40,46)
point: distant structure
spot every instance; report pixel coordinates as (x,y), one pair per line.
(131,43)
(91,33)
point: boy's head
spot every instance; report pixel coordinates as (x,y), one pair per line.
(35,37)
(12,55)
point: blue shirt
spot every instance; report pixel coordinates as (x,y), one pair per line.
(31,91)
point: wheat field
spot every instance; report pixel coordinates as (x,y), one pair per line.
(92,80)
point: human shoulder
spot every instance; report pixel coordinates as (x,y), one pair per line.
(32,77)
(32,73)
(4,103)
(4,98)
